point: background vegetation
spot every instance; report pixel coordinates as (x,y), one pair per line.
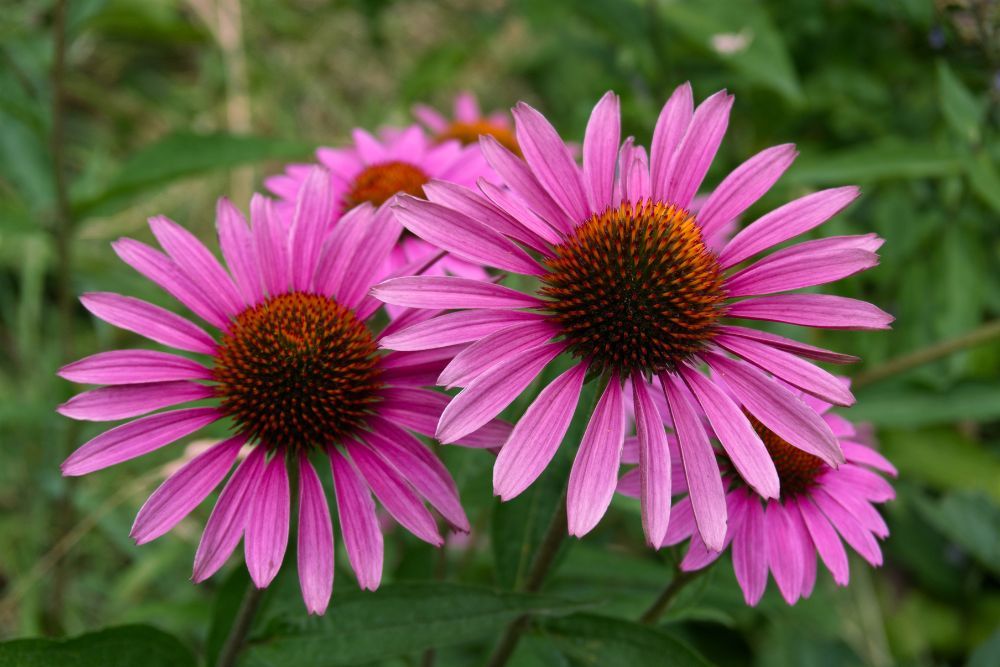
(160,106)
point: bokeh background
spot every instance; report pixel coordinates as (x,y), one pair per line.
(164,105)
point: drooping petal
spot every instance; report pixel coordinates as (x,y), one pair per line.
(671,126)
(132,367)
(788,367)
(708,498)
(184,490)
(698,148)
(491,392)
(358,522)
(827,542)
(742,444)
(315,544)
(784,554)
(654,464)
(229,517)
(863,454)
(600,151)
(778,409)
(267,527)
(750,552)
(451,293)
(152,322)
(813,310)
(136,438)
(853,532)
(794,218)
(131,400)
(463,326)
(537,434)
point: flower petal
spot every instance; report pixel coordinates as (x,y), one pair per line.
(152,322)
(495,349)
(784,555)
(312,219)
(315,544)
(132,367)
(671,126)
(600,151)
(519,178)
(267,527)
(698,148)
(828,544)
(271,242)
(451,293)
(239,251)
(358,522)
(813,310)
(462,326)
(789,345)
(654,464)
(750,551)
(807,264)
(131,400)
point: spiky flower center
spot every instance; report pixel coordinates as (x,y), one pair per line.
(635,288)
(797,470)
(469,132)
(297,370)
(377,183)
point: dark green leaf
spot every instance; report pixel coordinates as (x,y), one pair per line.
(126,646)
(588,639)
(887,161)
(961,109)
(182,155)
(396,620)
(986,654)
(922,407)
(970,520)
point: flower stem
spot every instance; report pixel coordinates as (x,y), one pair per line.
(241,626)
(662,603)
(928,354)
(544,557)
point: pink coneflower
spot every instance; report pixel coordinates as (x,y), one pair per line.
(375,170)
(818,506)
(630,288)
(296,371)
(468,123)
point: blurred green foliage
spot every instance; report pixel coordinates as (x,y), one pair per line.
(165,111)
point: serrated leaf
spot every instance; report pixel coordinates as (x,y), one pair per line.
(602,641)
(126,646)
(396,620)
(182,155)
(960,108)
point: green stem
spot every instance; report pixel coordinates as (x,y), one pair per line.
(926,355)
(663,602)
(241,626)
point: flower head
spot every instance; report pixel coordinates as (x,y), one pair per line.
(818,507)
(468,123)
(295,369)
(376,170)
(630,286)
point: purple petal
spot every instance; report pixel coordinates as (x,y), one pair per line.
(462,236)
(451,293)
(131,400)
(600,151)
(741,442)
(636,182)
(229,517)
(550,161)
(813,310)
(239,251)
(859,453)
(789,345)
(800,536)
(828,544)
(750,552)
(155,323)
(491,436)
(416,409)
(395,493)
(807,264)
(358,522)
(495,349)
(315,545)
(744,186)
(267,527)
(849,527)
(313,217)
(366,264)
(654,464)
(158,268)
(132,367)
(517,209)
(271,243)
(778,409)
(420,468)
(698,148)
(794,218)
(537,434)
(708,498)
(453,328)
(788,367)
(194,259)
(184,490)
(682,524)
(783,553)
(671,126)
(593,479)
(136,438)
(491,392)
(520,180)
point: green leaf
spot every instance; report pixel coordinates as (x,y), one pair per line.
(224,610)
(396,620)
(961,109)
(986,654)
(985,180)
(970,520)
(179,156)
(887,160)
(912,407)
(742,36)
(943,458)
(126,646)
(588,639)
